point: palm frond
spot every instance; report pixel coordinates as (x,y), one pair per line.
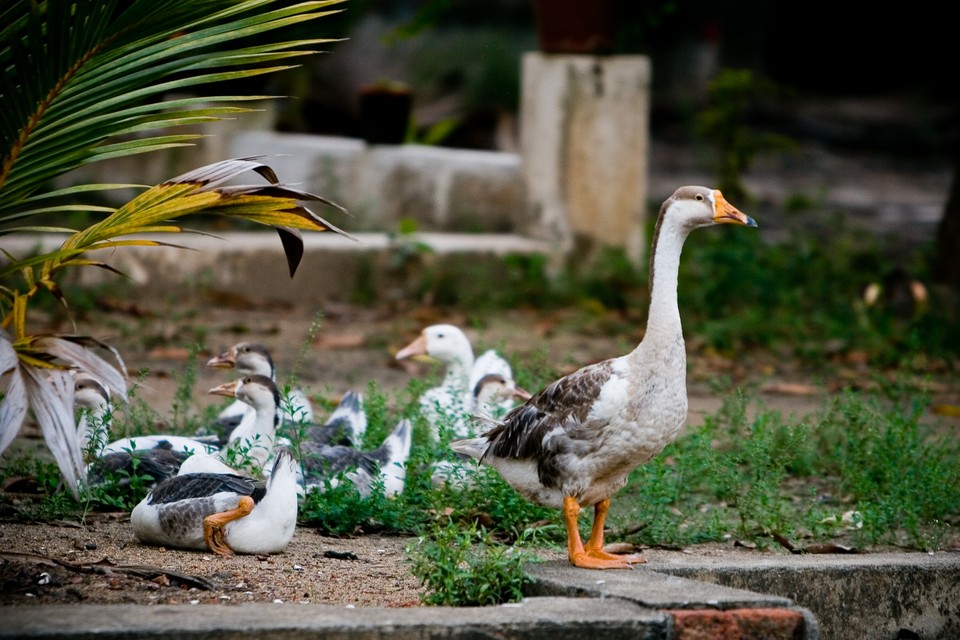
(76,74)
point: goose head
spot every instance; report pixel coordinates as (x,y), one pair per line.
(493,388)
(248,358)
(443,342)
(692,207)
(89,393)
(258,391)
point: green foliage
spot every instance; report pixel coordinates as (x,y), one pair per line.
(902,480)
(734,95)
(765,476)
(467,567)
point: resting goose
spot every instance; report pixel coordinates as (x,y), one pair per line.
(224,513)
(93,423)
(248,359)
(346,425)
(152,457)
(575,442)
(387,463)
(454,398)
(254,439)
(251,444)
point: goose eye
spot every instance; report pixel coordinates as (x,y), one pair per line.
(700,197)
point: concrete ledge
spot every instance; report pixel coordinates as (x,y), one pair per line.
(876,595)
(533,619)
(251,263)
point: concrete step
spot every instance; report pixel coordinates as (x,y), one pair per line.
(377,265)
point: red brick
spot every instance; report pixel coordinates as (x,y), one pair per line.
(769,624)
(704,624)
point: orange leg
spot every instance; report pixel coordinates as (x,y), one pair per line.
(213,526)
(594,547)
(579,556)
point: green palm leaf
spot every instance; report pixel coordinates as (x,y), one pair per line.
(87,80)
(76,74)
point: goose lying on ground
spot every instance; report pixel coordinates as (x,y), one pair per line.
(224,513)
(491,390)
(574,443)
(448,403)
(250,358)
(387,463)
(157,461)
(93,423)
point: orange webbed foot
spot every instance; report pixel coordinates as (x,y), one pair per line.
(589,561)
(600,554)
(214,532)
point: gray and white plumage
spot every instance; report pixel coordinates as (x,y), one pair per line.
(173,513)
(324,464)
(575,442)
(153,458)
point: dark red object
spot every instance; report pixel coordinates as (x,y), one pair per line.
(576,26)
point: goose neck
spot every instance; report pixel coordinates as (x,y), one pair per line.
(663,319)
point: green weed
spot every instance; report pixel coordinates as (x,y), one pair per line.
(467,567)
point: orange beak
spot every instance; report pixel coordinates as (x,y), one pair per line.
(416,348)
(228,389)
(226,360)
(726,213)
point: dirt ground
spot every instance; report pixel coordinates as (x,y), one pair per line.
(100,562)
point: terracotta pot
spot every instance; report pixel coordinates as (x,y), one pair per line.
(385,114)
(576,26)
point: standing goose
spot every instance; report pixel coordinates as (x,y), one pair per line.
(224,513)
(575,442)
(454,399)
(250,358)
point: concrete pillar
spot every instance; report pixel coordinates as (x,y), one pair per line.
(584,145)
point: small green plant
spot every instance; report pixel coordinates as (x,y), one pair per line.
(734,93)
(467,567)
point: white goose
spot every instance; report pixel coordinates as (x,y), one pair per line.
(454,399)
(574,443)
(224,513)
(488,396)
(249,359)
(253,441)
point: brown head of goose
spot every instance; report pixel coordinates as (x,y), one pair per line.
(575,442)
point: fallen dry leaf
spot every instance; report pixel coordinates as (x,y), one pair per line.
(790,388)
(341,340)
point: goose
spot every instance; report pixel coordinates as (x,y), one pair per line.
(324,464)
(224,513)
(250,358)
(575,442)
(93,424)
(253,441)
(449,402)
(488,395)
(158,457)
(346,426)
(155,461)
